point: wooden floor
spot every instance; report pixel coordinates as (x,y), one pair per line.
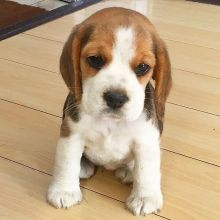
(31,98)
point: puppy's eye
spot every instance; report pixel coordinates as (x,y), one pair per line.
(142,69)
(96,62)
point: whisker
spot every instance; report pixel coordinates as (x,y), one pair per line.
(70,107)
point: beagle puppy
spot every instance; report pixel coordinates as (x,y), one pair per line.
(113,115)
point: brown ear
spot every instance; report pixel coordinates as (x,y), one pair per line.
(70,64)
(162,77)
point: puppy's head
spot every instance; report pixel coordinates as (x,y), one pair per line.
(110,58)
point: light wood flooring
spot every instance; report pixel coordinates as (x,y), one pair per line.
(31,98)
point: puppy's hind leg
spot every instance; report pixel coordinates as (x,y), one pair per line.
(87,168)
(124,173)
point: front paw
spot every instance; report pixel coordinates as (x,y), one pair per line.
(143,205)
(61,198)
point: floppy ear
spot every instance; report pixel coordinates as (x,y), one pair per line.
(70,64)
(162,77)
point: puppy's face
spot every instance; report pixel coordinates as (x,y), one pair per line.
(112,57)
(116,66)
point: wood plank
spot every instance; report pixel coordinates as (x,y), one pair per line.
(185,34)
(23,197)
(29,137)
(32,51)
(32,87)
(192,133)
(199,16)
(49,30)
(193,58)
(195,91)
(45,54)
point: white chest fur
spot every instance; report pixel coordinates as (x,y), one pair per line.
(108,145)
(107,142)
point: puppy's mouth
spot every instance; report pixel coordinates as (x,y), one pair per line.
(113,114)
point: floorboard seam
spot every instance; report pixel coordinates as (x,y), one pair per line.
(24,64)
(48,174)
(34,109)
(191,44)
(193,158)
(194,109)
(32,35)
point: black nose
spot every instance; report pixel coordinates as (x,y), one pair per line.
(115,99)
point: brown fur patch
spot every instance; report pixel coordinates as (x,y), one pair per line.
(96,47)
(70,59)
(144,54)
(162,77)
(69,65)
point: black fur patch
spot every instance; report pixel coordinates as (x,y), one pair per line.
(149,106)
(71,108)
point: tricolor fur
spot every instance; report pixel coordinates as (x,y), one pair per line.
(121,135)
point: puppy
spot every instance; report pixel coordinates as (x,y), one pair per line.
(113,116)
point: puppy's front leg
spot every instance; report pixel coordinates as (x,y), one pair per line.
(146,196)
(64,190)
